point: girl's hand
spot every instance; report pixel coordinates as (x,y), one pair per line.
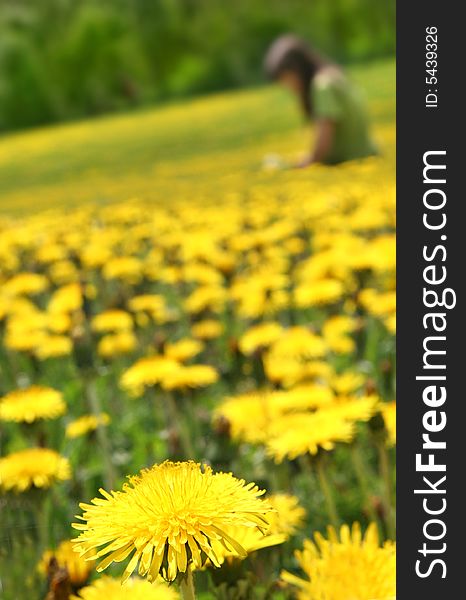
(273,162)
(303,163)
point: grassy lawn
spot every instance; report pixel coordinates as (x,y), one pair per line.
(175,147)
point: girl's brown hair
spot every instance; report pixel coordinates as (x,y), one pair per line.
(291,53)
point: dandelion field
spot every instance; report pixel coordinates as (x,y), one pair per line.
(168,295)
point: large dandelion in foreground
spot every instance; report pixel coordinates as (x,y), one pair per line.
(346,566)
(169,518)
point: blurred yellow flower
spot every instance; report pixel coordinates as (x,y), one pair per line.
(147,372)
(25,284)
(347,382)
(183,349)
(191,376)
(112,320)
(86,424)
(52,346)
(260,336)
(34,467)
(66,299)
(115,344)
(299,342)
(289,516)
(134,589)
(78,569)
(346,565)
(388,410)
(318,292)
(32,403)
(126,268)
(208,329)
(250,539)
(206,297)
(302,433)
(151,304)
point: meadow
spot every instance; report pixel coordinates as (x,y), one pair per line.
(168,293)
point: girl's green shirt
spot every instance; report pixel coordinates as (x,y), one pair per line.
(334,97)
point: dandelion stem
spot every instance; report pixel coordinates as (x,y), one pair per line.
(384,465)
(360,469)
(327,491)
(95,407)
(187,586)
(41,509)
(178,425)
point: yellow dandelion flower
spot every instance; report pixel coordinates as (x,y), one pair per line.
(260,336)
(183,349)
(114,344)
(208,329)
(95,255)
(347,382)
(318,369)
(319,292)
(49,253)
(288,370)
(32,403)
(289,517)
(191,376)
(250,538)
(168,517)
(152,305)
(303,396)
(335,333)
(248,415)
(112,320)
(301,433)
(57,322)
(299,342)
(206,297)
(351,408)
(17,306)
(388,410)
(34,467)
(338,325)
(133,589)
(127,268)
(251,416)
(23,340)
(202,274)
(85,424)
(378,303)
(261,294)
(63,272)
(67,299)
(52,346)
(346,565)
(147,372)
(342,344)
(78,568)
(390,323)
(25,284)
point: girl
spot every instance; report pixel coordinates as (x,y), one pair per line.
(325,95)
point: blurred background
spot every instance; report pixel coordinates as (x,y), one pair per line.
(68,59)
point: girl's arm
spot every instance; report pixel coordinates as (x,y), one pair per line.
(325,134)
